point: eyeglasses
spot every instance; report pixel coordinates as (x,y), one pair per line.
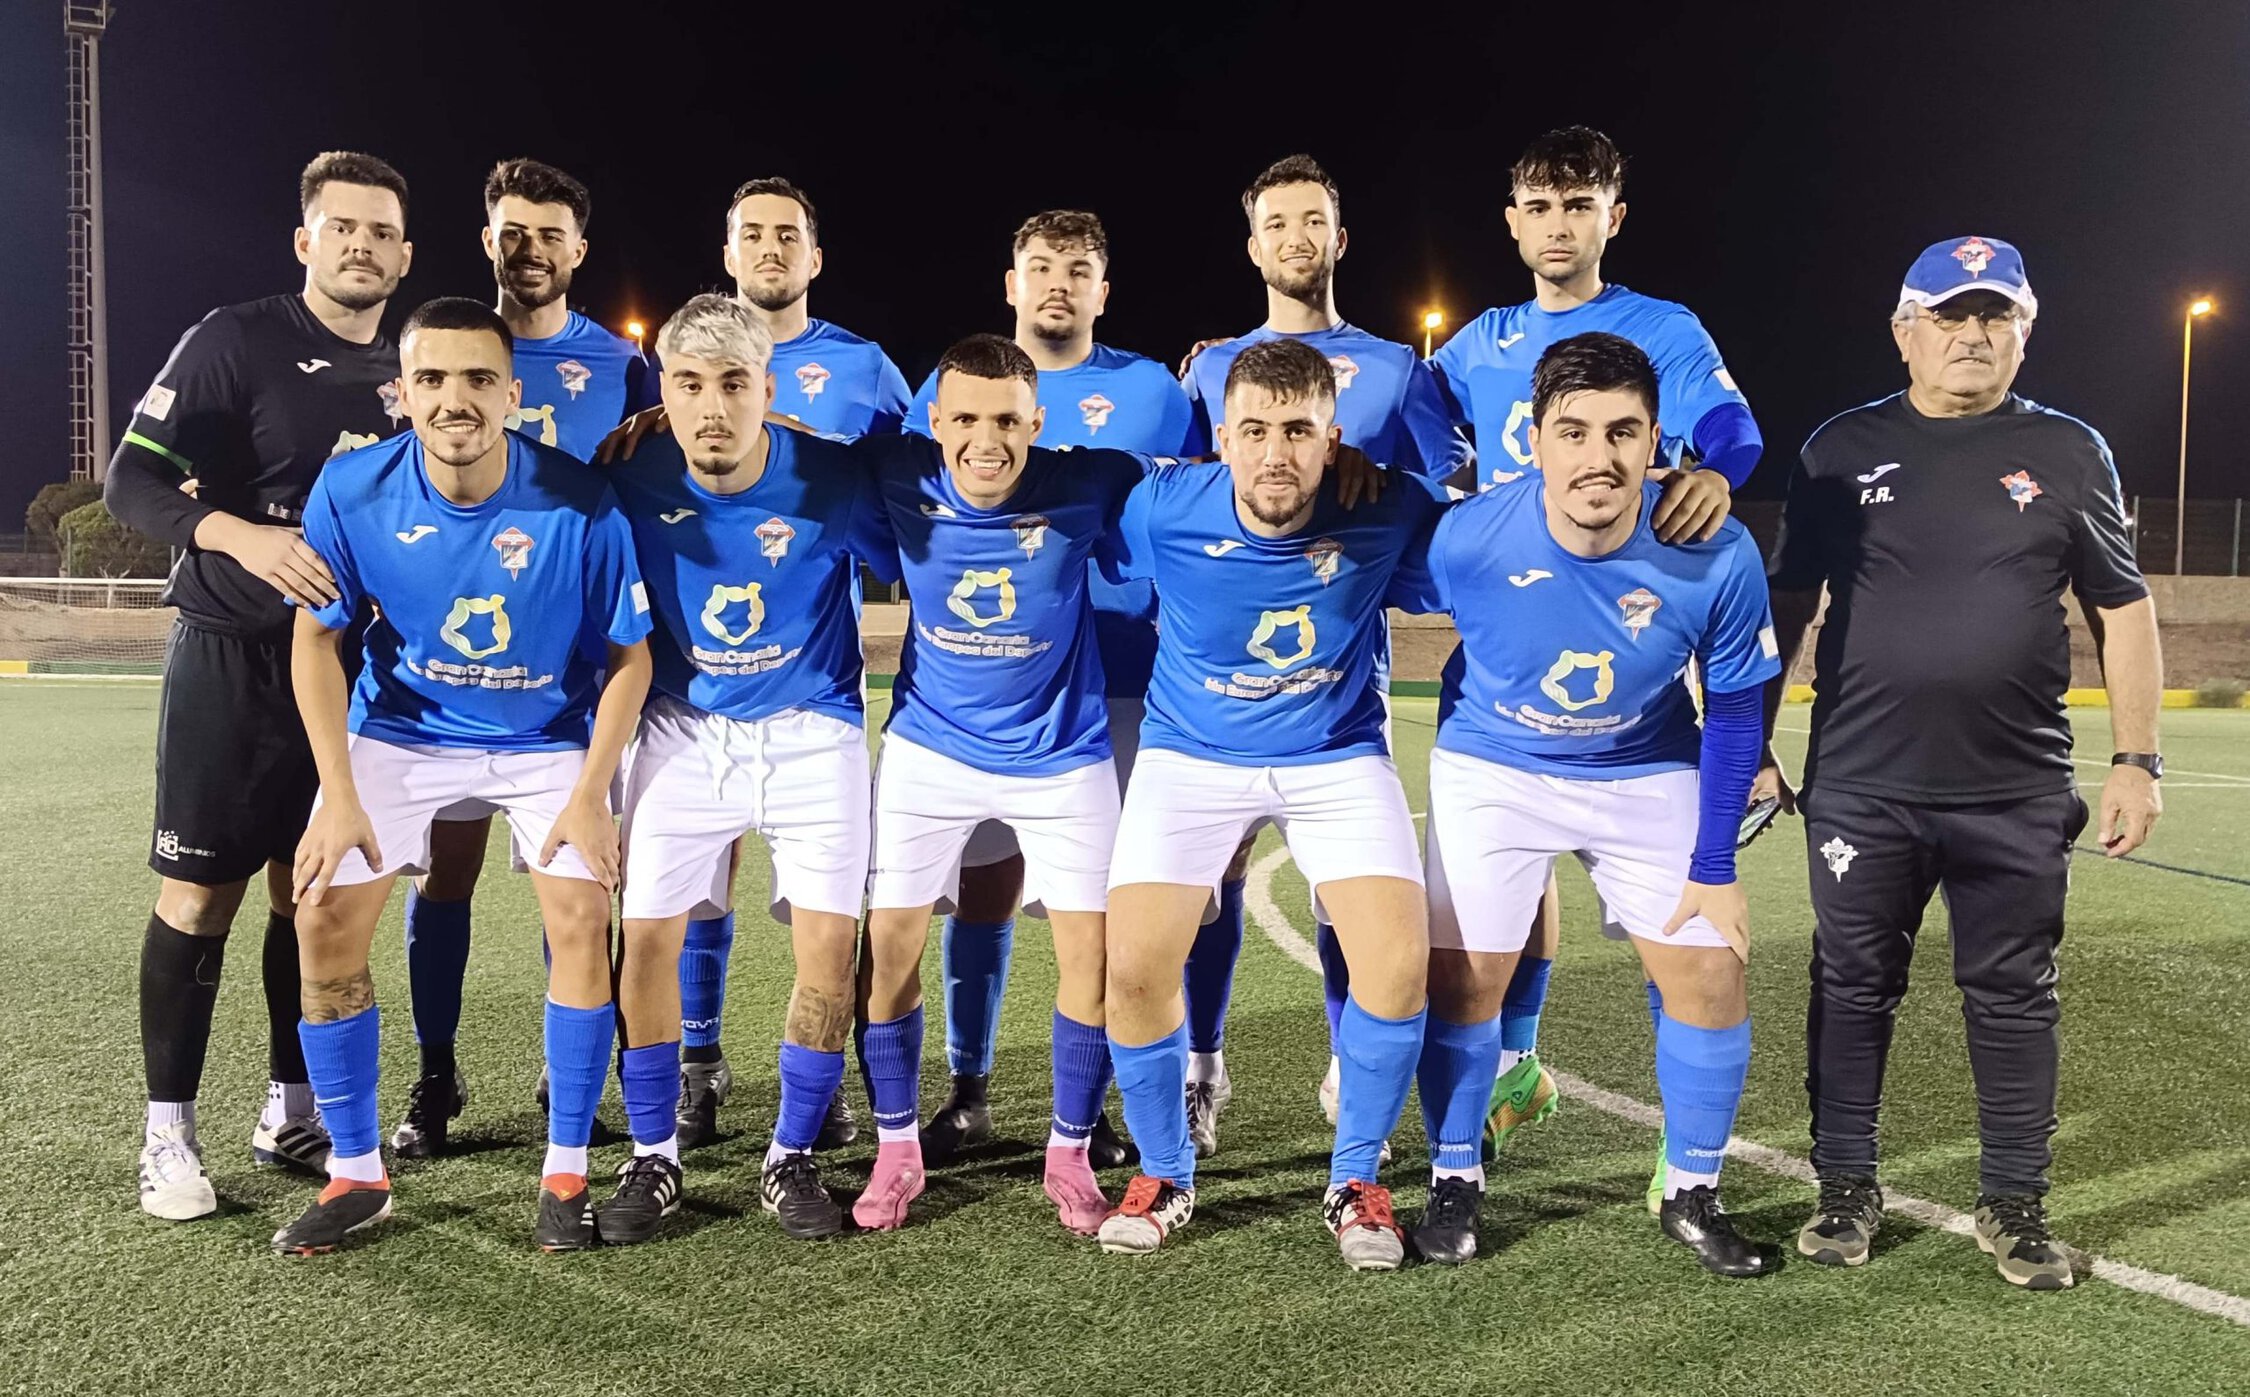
(1996,321)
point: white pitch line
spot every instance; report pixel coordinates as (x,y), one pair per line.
(2225,777)
(1257,901)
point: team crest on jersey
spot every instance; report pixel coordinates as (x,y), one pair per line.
(575,376)
(811,378)
(388,392)
(1571,662)
(1324,557)
(715,609)
(962,601)
(773,539)
(1839,856)
(1095,409)
(1345,369)
(1639,606)
(494,606)
(1974,256)
(1272,623)
(514,546)
(349,440)
(2022,489)
(523,417)
(1031,532)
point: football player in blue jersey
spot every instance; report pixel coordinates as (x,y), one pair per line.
(997,714)
(1389,405)
(579,381)
(1568,202)
(506,663)
(748,540)
(1089,395)
(1263,708)
(1566,726)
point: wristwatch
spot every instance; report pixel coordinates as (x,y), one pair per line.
(2149,762)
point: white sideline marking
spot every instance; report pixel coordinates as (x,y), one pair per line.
(2223,777)
(1257,901)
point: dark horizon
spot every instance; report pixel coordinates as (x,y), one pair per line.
(1782,176)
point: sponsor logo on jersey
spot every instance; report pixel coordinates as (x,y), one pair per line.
(1569,663)
(1223,547)
(1839,856)
(544,416)
(773,539)
(1031,532)
(1095,409)
(157,402)
(1324,557)
(1345,369)
(514,547)
(962,601)
(1974,256)
(683,512)
(417,533)
(1519,451)
(311,366)
(1500,477)
(1528,576)
(494,606)
(811,378)
(2022,489)
(1639,606)
(388,394)
(1272,623)
(722,596)
(575,376)
(351,441)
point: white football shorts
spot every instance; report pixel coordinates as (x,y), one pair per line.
(1495,832)
(993,842)
(403,789)
(927,804)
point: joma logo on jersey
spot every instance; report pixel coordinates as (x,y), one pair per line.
(811,378)
(514,548)
(1639,606)
(1569,663)
(1272,623)
(575,376)
(962,601)
(454,634)
(773,539)
(1324,557)
(1031,532)
(1345,369)
(715,608)
(1095,409)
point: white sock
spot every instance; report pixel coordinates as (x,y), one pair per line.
(360,1168)
(669,1147)
(775,1153)
(1678,1181)
(296,1097)
(564,1159)
(1474,1174)
(1056,1140)
(1509,1057)
(163,1115)
(1207,1067)
(893,1134)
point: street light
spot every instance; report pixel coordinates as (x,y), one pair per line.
(2197,308)
(636,329)
(1432,322)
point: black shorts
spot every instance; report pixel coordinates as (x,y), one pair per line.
(234,775)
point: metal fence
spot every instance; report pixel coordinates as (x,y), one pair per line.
(2218,533)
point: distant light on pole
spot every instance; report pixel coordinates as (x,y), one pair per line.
(2197,309)
(636,329)
(1432,322)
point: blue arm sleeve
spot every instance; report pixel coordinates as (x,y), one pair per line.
(1726,440)
(1733,737)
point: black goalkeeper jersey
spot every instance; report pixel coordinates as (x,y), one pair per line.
(253,401)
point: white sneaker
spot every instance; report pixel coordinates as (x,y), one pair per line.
(295,1142)
(1151,1210)
(1366,1232)
(173,1184)
(1330,1087)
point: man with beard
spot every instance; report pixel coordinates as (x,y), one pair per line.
(1089,395)
(506,664)
(251,403)
(579,382)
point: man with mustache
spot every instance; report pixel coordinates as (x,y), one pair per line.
(579,382)
(251,403)
(506,664)
(1089,395)
(1569,728)
(1945,522)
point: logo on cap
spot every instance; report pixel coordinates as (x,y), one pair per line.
(1974,256)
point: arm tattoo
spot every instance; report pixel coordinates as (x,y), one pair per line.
(326,1001)
(817,1019)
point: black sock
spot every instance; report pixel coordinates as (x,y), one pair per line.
(708,1052)
(179,985)
(285,1054)
(437,1059)
(969,1089)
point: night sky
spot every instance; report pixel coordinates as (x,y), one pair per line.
(1786,166)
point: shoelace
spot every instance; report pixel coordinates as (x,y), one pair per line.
(1846,1200)
(1702,1206)
(796,1175)
(1372,1201)
(1140,1196)
(2024,1219)
(1453,1203)
(174,1160)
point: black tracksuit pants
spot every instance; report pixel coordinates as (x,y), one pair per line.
(2003,868)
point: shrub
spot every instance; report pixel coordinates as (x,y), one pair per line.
(94,544)
(51,504)
(2220,693)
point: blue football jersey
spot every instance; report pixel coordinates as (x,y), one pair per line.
(579,384)
(1575,666)
(752,592)
(1487,371)
(1388,402)
(1127,401)
(999,668)
(837,383)
(492,621)
(1269,645)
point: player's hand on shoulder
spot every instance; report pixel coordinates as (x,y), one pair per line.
(280,558)
(1357,477)
(1693,506)
(625,438)
(1197,348)
(588,828)
(1724,905)
(336,828)
(2131,806)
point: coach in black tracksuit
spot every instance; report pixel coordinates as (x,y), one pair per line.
(1945,522)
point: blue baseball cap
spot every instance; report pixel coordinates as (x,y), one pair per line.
(1946,269)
